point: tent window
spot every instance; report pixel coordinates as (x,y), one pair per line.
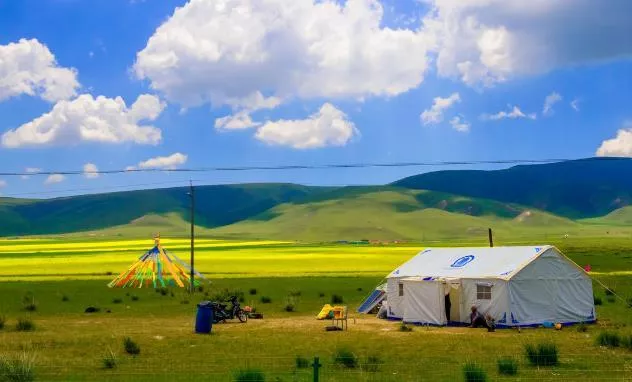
(483,292)
(401,289)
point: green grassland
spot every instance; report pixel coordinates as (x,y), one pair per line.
(65,275)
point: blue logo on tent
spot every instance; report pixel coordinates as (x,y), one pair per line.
(463,261)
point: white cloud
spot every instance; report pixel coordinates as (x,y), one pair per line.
(483,42)
(3,183)
(327,127)
(434,115)
(575,104)
(28,67)
(513,113)
(169,162)
(89,119)
(90,171)
(54,178)
(240,120)
(549,101)
(459,124)
(620,146)
(226,52)
(30,170)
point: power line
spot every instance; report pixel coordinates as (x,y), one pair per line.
(290,167)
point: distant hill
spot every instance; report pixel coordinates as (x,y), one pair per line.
(558,197)
(573,189)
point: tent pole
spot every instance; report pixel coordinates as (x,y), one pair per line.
(192,195)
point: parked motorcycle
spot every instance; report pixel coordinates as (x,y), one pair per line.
(223,312)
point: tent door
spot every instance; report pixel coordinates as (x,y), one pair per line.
(455,305)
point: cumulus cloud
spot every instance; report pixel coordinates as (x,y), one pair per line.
(327,127)
(235,50)
(459,124)
(90,171)
(575,104)
(513,113)
(30,170)
(483,42)
(89,119)
(240,120)
(168,162)
(619,146)
(549,101)
(434,115)
(54,178)
(28,67)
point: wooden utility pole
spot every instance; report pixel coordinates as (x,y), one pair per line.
(491,237)
(192,195)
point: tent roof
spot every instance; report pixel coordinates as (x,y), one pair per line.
(484,262)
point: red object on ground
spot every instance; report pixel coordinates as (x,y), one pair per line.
(587,268)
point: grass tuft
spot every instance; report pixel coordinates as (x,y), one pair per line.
(321,294)
(608,339)
(405,328)
(609,292)
(25,325)
(65,298)
(544,354)
(372,363)
(134,297)
(301,362)
(28,302)
(474,373)
(507,366)
(117,300)
(249,375)
(3,321)
(20,369)
(582,328)
(611,299)
(598,300)
(336,299)
(265,300)
(252,291)
(345,358)
(295,293)
(130,346)
(289,308)
(109,361)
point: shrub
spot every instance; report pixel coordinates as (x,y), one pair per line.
(28,301)
(109,361)
(289,308)
(545,354)
(301,362)
(65,298)
(134,297)
(598,300)
(611,299)
(359,289)
(582,328)
(25,325)
(265,300)
(372,363)
(3,321)
(321,294)
(473,373)
(20,369)
(336,299)
(405,328)
(117,300)
(130,346)
(346,358)
(92,309)
(507,366)
(609,292)
(609,339)
(249,375)
(253,291)
(163,291)
(200,288)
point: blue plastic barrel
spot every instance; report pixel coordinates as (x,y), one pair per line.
(204,318)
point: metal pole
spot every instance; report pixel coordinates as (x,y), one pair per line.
(491,238)
(316,365)
(192,195)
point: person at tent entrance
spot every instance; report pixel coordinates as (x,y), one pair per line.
(476,318)
(448,305)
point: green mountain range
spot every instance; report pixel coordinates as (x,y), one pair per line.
(585,196)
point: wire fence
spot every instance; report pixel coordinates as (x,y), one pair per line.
(428,367)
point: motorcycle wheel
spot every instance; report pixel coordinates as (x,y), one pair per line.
(242,316)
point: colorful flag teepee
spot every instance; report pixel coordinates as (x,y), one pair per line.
(156,268)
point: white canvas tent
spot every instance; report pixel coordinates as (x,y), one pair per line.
(517,286)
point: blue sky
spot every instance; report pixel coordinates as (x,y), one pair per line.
(299,82)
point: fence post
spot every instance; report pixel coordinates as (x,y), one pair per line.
(316,365)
